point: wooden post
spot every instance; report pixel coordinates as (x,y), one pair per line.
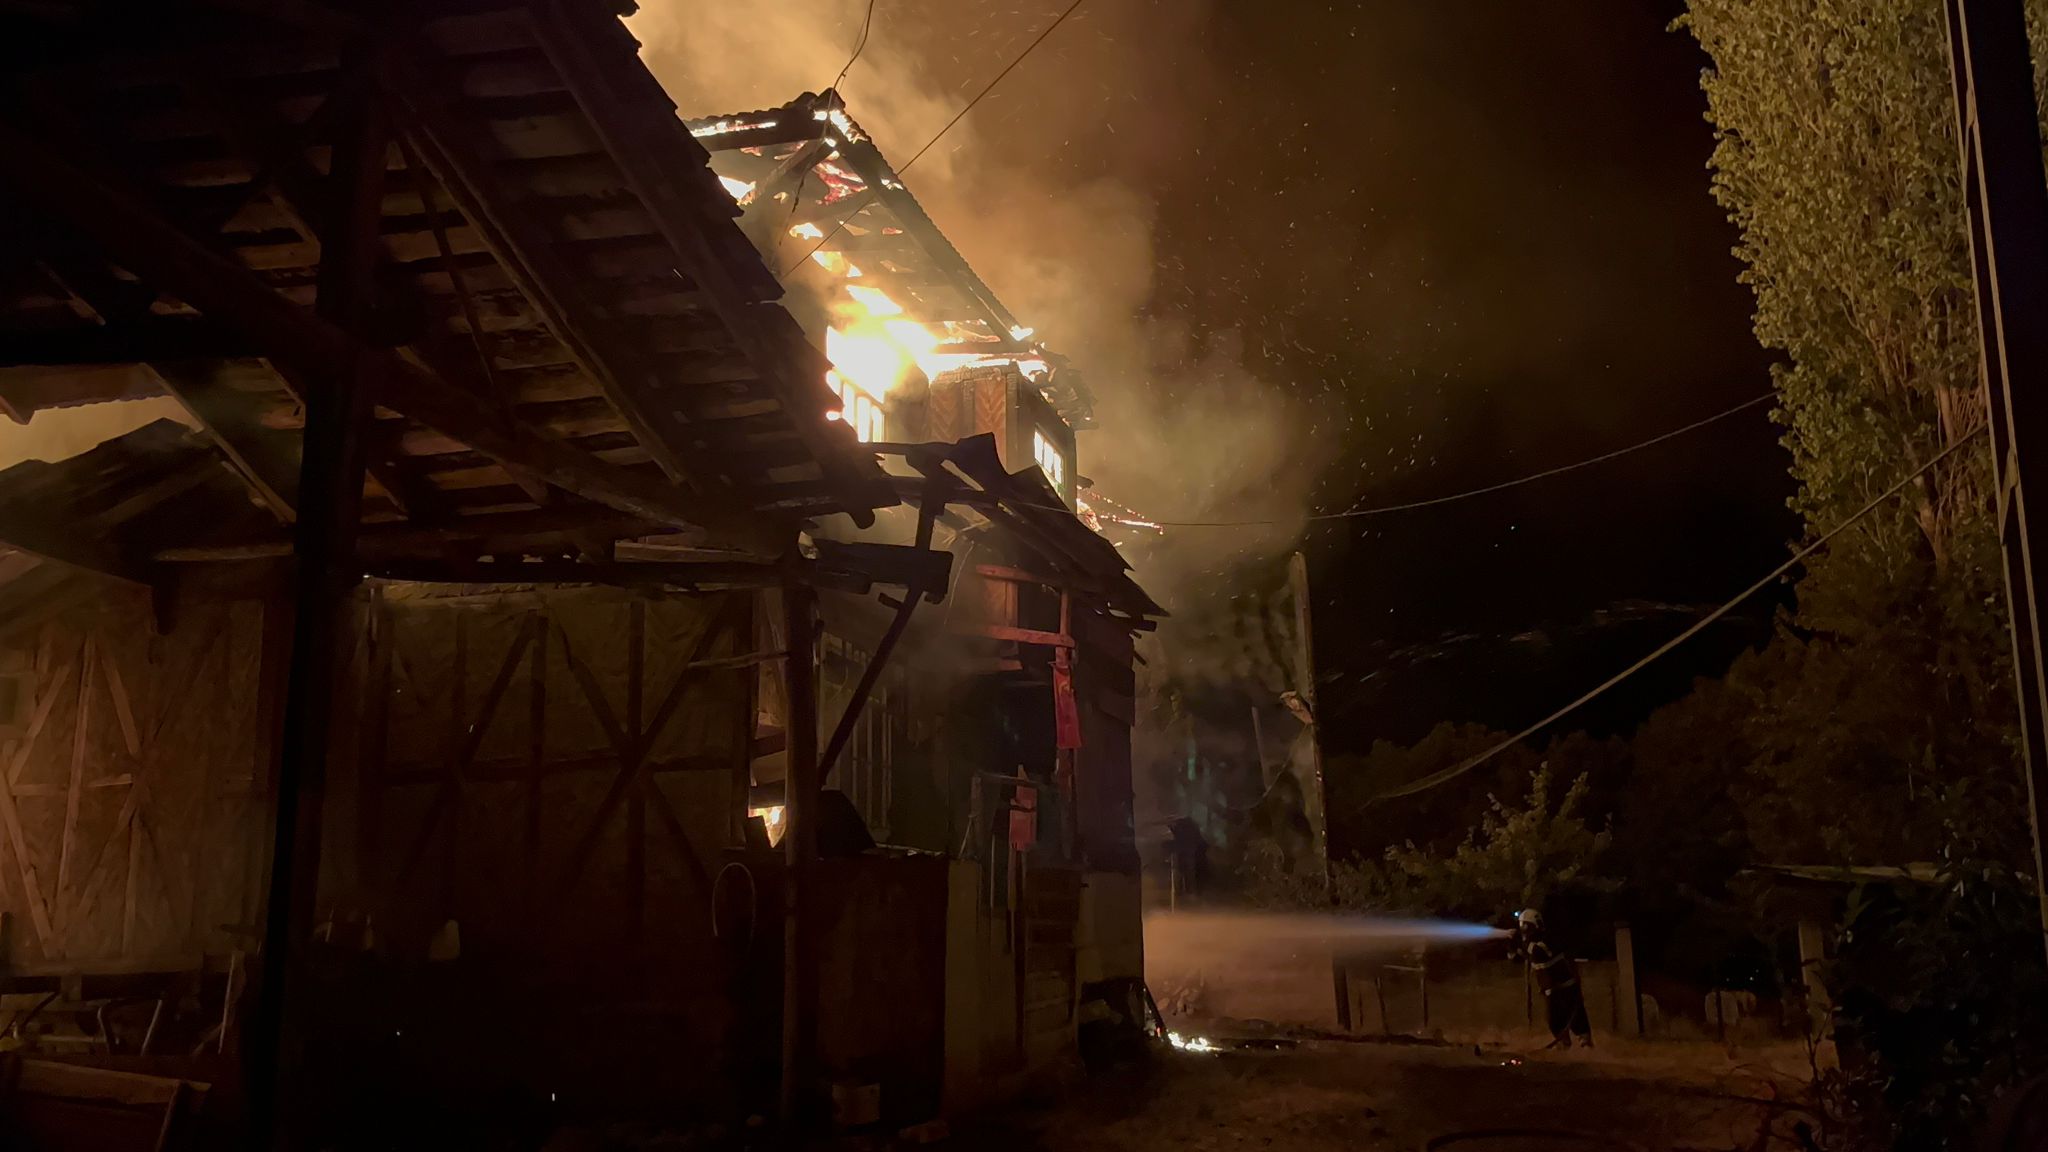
(1812,956)
(1422,984)
(1315,796)
(330,498)
(799,845)
(1629,1013)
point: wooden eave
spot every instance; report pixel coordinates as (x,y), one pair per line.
(565,318)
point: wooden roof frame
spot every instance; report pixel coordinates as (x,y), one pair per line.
(721,421)
(821,124)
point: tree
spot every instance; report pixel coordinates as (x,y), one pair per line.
(1881,725)
(1520,855)
(1836,158)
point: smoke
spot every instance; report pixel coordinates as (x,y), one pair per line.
(1045,189)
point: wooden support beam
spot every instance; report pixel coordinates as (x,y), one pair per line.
(483,534)
(1022,635)
(641,574)
(50,534)
(784,130)
(267,459)
(903,565)
(138,340)
(800,849)
(331,490)
(763,216)
(308,348)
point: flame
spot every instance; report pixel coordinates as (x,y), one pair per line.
(737,189)
(772,817)
(866,353)
(873,344)
(876,301)
(836,264)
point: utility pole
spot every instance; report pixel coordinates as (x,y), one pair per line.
(2007,200)
(1317,796)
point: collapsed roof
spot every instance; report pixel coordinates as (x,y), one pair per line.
(815,191)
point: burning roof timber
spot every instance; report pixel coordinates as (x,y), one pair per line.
(816,194)
(527,254)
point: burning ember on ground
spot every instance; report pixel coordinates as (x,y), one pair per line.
(1190,1043)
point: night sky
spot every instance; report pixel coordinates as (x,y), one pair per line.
(1450,243)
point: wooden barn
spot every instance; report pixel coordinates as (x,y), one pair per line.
(407,716)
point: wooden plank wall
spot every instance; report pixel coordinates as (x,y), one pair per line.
(540,769)
(545,771)
(133,799)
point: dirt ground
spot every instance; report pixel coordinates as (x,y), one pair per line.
(1326,1095)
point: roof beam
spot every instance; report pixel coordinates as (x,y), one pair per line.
(309,349)
(142,339)
(487,534)
(266,459)
(47,533)
(596,57)
(442,137)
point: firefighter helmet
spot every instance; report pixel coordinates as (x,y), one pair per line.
(1529,919)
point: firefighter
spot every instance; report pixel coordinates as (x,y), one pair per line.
(1557,976)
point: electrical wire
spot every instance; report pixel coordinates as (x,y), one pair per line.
(858,47)
(1459,769)
(1433,501)
(957,116)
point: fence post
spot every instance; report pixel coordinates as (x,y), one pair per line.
(1628,1013)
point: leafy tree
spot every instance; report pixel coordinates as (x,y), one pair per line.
(1836,158)
(1519,855)
(1438,818)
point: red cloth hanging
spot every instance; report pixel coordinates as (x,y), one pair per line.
(1024,818)
(1066,711)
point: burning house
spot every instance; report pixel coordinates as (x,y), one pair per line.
(439,702)
(1006,747)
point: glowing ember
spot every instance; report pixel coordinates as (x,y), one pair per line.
(725,126)
(1189,1043)
(1097,510)
(807,231)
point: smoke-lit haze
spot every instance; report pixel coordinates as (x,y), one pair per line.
(1320,255)
(1188,431)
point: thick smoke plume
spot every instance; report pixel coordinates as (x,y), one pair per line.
(1043,188)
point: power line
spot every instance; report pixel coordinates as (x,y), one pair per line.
(1457,770)
(1433,501)
(859,45)
(957,116)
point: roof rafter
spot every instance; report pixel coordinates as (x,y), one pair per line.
(306,348)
